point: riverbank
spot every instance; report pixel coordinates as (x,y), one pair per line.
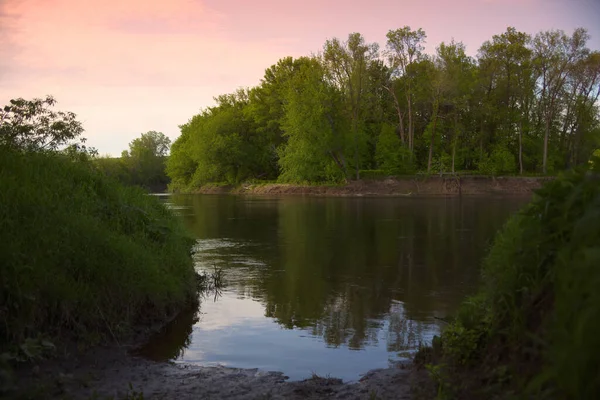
(112,373)
(410,186)
(529,330)
(85,260)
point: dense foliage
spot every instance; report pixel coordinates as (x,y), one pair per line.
(533,328)
(83,257)
(81,253)
(524,105)
(142,165)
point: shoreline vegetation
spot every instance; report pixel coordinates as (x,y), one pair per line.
(529,331)
(86,260)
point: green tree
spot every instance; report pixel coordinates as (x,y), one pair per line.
(347,66)
(391,156)
(180,165)
(554,54)
(506,61)
(266,108)
(30,125)
(313,125)
(405,47)
(580,134)
(146,159)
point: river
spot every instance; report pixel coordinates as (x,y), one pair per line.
(330,286)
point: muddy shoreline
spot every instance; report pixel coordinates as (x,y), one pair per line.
(394,187)
(117,372)
(113,373)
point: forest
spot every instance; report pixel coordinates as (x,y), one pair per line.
(525,105)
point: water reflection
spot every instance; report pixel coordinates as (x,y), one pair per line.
(344,274)
(171,342)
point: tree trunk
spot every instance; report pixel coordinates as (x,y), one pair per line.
(546,136)
(521,147)
(431,142)
(410,124)
(399,112)
(356,150)
(454,140)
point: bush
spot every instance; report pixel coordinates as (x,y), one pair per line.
(533,326)
(83,256)
(501,161)
(391,156)
(442,163)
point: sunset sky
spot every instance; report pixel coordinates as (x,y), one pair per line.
(130,66)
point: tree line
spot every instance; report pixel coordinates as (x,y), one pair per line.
(32,126)
(525,104)
(142,165)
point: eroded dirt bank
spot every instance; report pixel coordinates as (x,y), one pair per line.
(107,373)
(431,186)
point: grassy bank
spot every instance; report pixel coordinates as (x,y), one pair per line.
(83,257)
(532,331)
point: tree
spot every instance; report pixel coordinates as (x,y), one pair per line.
(180,165)
(581,114)
(507,64)
(314,128)
(266,108)
(347,67)
(149,144)
(405,46)
(146,159)
(391,156)
(30,125)
(554,54)
(456,72)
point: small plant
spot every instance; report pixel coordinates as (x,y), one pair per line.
(460,344)
(133,394)
(436,372)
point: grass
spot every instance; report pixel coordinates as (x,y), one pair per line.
(532,330)
(83,257)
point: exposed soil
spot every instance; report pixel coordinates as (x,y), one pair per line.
(115,372)
(112,373)
(416,186)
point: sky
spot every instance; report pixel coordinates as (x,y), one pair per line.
(130,66)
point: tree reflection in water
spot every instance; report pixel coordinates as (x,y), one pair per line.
(350,271)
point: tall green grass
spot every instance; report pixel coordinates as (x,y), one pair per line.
(81,256)
(533,331)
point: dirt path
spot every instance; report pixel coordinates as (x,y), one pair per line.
(112,373)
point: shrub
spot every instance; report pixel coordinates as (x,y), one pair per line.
(533,326)
(501,161)
(391,156)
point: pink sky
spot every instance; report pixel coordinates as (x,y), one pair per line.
(130,66)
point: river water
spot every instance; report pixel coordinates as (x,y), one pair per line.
(331,286)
